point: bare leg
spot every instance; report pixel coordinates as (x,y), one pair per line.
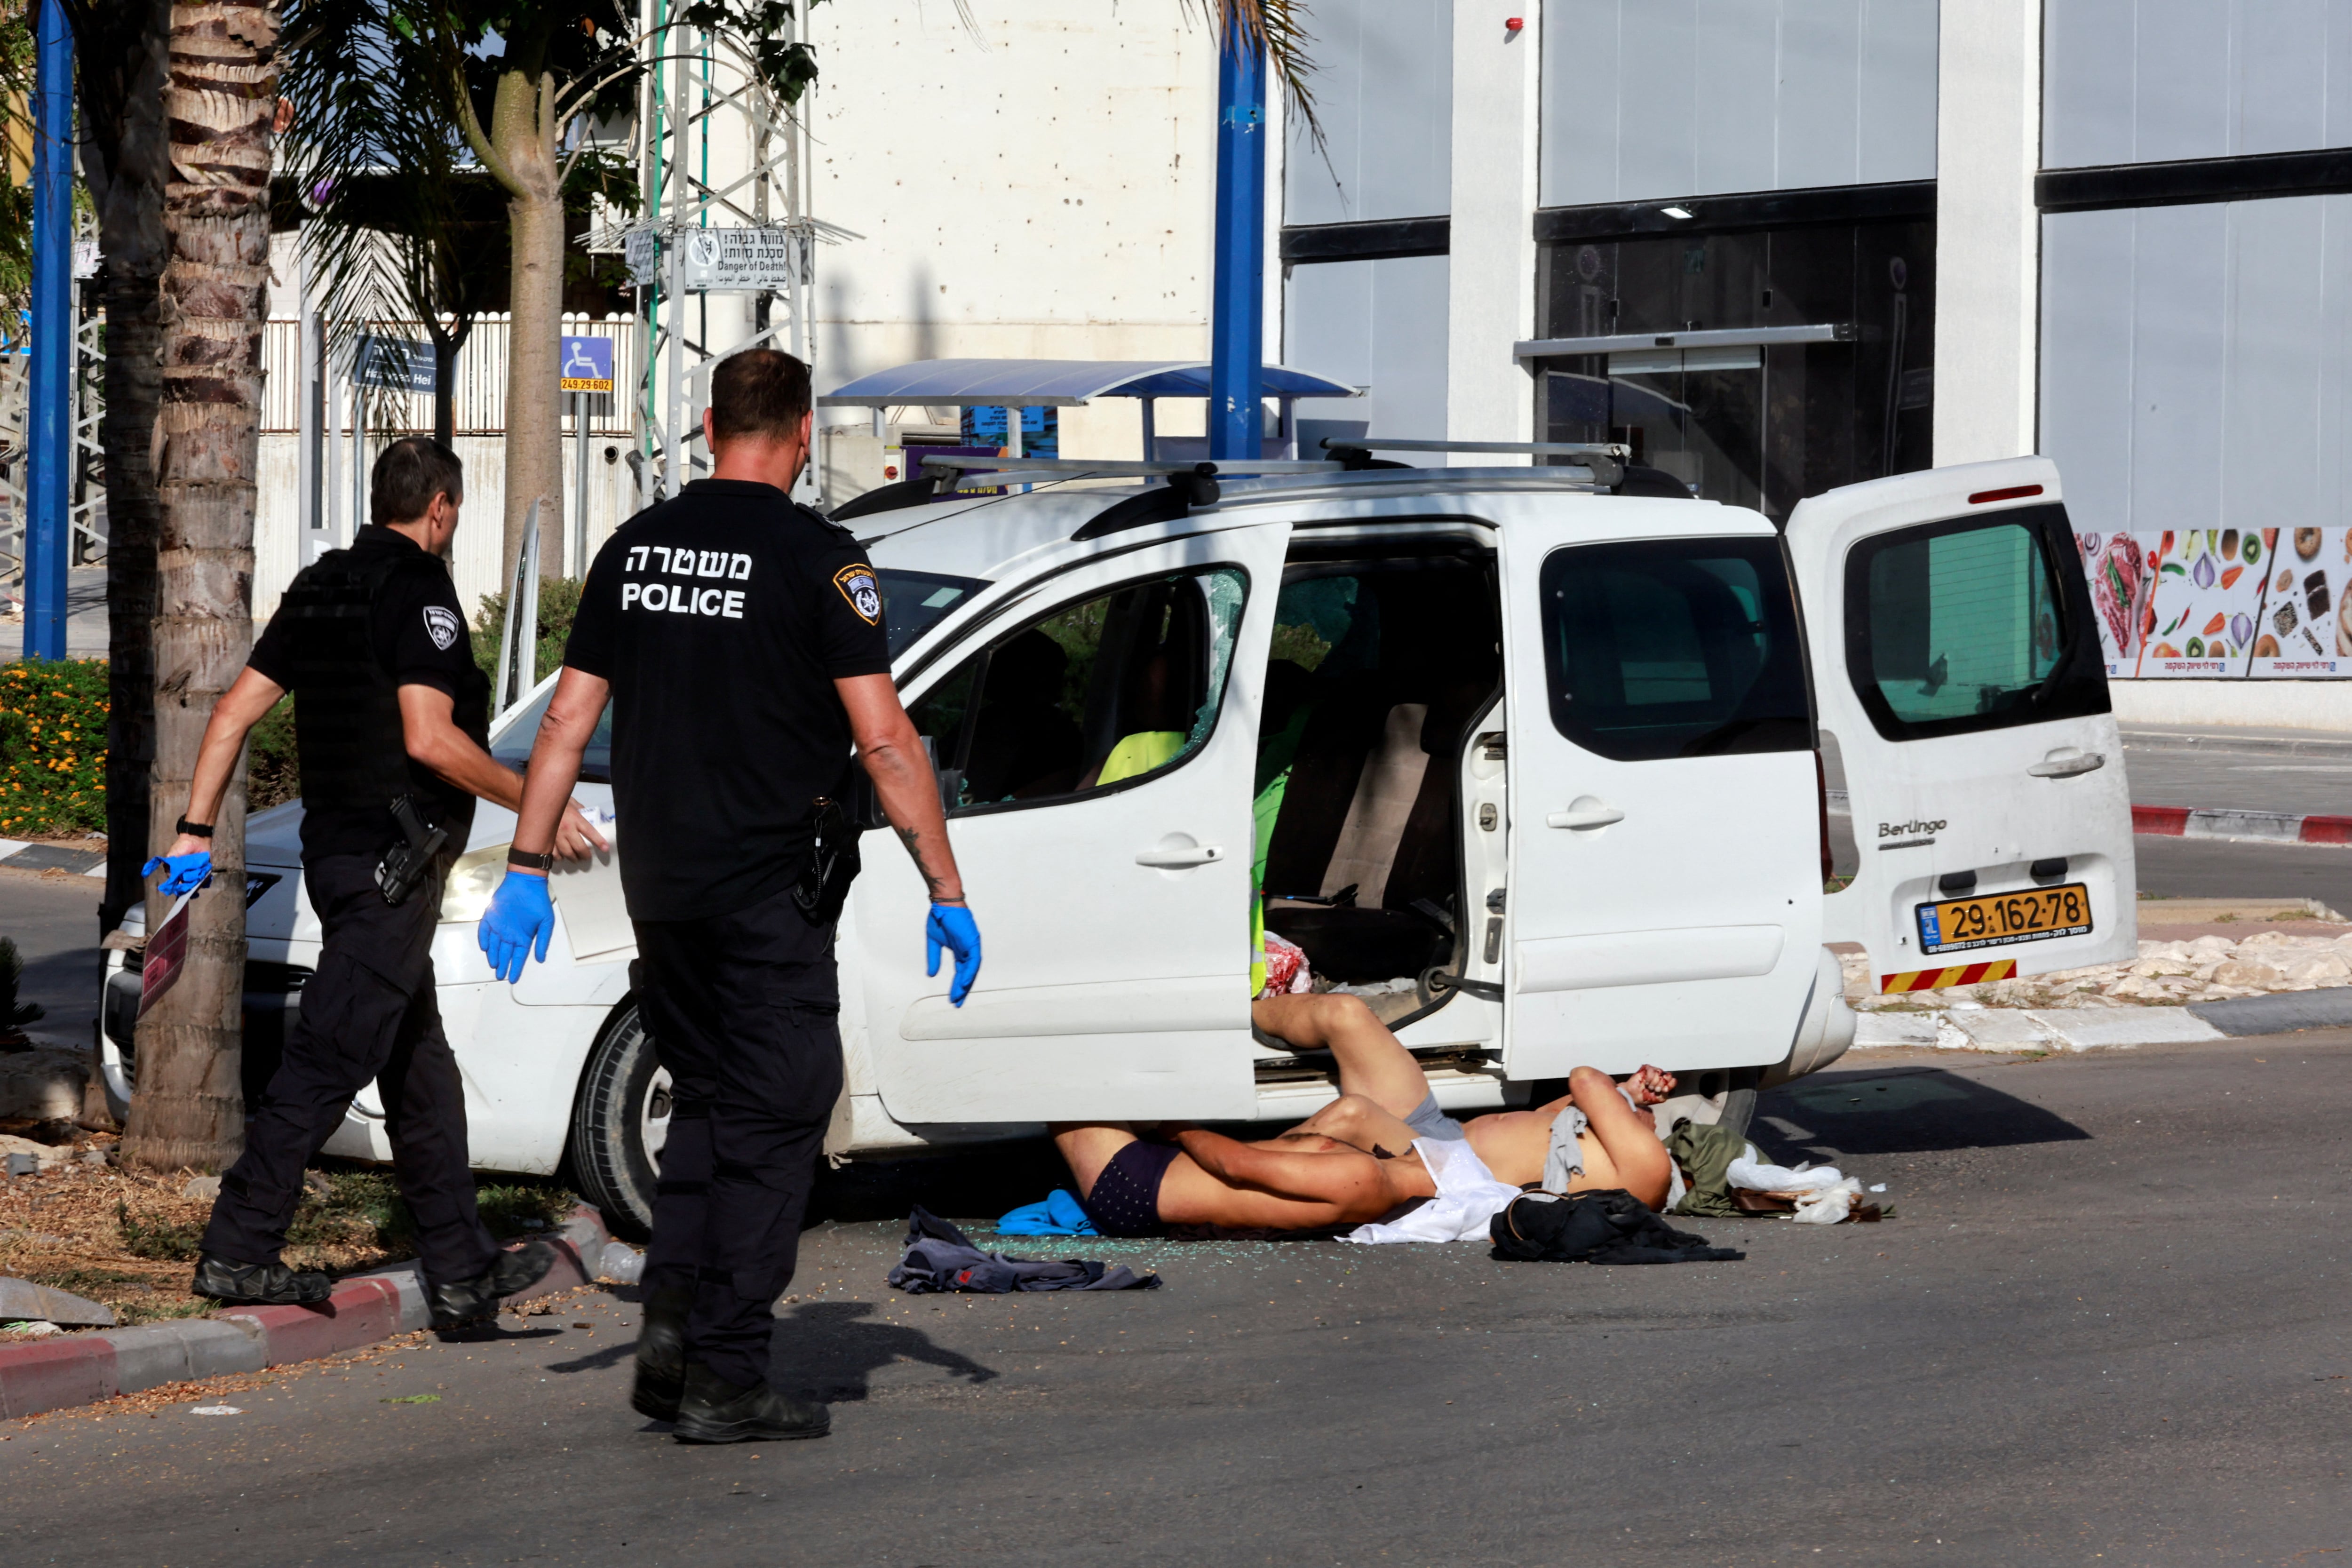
(1088,1147)
(1622,1152)
(1371,1063)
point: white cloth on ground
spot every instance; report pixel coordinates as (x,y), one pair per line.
(1750,1172)
(1830,1205)
(1468,1197)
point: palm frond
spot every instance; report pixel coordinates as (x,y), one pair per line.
(1278,28)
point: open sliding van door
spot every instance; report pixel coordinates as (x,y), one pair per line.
(1956,665)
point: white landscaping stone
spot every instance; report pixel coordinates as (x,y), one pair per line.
(1894,1029)
(48,1154)
(22,1300)
(1997,1029)
(2081,1029)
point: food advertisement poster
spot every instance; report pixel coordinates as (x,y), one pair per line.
(2222,602)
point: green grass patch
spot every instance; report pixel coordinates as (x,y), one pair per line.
(161,1240)
(362,1207)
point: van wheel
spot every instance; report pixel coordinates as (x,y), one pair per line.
(618,1127)
(1739,1101)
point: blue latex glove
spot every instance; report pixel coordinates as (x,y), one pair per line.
(519,916)
(182,873)
(952,926)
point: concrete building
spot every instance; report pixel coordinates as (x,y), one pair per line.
(1782,245)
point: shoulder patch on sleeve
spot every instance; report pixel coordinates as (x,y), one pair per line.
(441,623)
(859,586)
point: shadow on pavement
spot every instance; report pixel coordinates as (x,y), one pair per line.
(829,1350)
(978,1184)
(1898,1110)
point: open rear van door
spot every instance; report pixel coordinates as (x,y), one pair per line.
(1958,674)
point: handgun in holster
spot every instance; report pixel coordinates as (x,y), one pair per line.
(409,863)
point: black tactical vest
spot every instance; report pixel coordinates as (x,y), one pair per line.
(347,727)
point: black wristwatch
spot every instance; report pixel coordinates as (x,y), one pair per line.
(530,862)
(195,829)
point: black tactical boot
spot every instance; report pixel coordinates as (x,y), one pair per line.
(257,1284)
(717,1411)
(661,1353)
(472,1300)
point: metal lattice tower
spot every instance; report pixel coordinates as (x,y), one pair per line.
(718,151)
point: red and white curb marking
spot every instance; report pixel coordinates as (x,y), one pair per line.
(2258,827)
(77,1368)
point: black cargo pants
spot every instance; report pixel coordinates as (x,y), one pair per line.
(368,1014)
(742,1011)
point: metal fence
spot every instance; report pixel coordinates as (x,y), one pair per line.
(480,379)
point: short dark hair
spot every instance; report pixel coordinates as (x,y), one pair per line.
(410,473)
(760,392)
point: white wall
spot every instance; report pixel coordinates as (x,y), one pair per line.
(2129,81)
(1381,324)
(474,554)
(1987,230)
(1047,197)
(1647,99)
(1383,90)
(2195,371)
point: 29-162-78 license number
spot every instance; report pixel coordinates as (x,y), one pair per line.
(1999,920)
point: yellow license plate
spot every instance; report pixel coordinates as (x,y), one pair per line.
(2001,920)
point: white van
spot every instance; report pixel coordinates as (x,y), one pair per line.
(1535,765)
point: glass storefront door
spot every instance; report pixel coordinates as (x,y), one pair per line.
(1760,423)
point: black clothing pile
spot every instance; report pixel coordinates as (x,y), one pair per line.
(939,1258)
(1610,1226)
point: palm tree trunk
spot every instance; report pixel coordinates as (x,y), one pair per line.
(189,1108)
(128,188)
(523,138)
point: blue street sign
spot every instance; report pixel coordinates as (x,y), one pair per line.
(587,366)
(396,364)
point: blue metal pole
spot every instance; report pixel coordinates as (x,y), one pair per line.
(1237,325)
(49,487)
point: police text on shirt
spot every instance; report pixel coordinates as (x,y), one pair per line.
(685,598)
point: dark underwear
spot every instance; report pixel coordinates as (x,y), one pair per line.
(1125,1196)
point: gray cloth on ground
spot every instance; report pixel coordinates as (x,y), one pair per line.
(1431,1122)
(1564,1159)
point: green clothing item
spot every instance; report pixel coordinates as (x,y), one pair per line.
(1705,1154)
(1140,753)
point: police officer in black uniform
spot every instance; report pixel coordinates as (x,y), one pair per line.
(390,719)
(740,639)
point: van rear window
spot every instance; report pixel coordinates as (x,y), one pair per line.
(1683,648)
(1971,624)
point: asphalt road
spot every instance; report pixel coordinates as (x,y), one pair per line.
(54,922)
(2245,780)
(2107,1326)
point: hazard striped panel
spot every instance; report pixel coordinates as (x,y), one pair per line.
(1936,979)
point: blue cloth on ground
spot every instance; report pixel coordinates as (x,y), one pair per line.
(939,1256)
(1060,1214)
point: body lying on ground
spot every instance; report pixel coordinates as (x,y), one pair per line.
(1354,1162)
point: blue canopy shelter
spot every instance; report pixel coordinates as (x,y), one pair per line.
(1067,383)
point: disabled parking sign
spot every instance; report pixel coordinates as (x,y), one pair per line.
(587,366)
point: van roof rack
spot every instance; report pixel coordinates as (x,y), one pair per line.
(1605,459)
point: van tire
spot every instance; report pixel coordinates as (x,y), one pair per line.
(622,1108)
(1738,1102)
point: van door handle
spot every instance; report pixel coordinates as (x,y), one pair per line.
(1597,816)
(1169,856)
(2069,767)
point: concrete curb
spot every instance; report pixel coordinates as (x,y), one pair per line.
(51,1374)
(2244,827)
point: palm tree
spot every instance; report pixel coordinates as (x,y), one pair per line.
(122,54)
(219,105)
